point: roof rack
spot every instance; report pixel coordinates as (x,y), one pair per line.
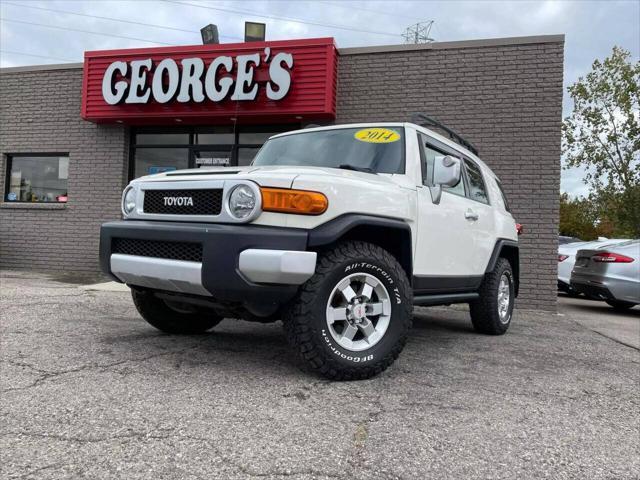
(425,121)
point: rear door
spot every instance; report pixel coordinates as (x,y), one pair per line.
(480,214)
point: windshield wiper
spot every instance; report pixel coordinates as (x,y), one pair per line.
(346,166)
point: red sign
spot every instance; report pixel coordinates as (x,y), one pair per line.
(253,82)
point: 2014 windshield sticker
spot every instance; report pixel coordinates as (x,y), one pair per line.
(377,135)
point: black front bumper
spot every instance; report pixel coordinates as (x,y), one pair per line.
(221,246)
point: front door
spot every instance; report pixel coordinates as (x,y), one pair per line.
(444,253)
(445,238)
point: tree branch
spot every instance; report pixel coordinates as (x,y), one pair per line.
(623,176)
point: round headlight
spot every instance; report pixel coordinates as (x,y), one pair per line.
(129,201)
(242,201)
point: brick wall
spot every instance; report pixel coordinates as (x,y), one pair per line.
(41,113)
(507,100)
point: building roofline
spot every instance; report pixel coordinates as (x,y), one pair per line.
(485,42)
(37,68)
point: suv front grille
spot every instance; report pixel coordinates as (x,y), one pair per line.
(183,202)
(191,252)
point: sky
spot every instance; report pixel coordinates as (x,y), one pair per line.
(30,33)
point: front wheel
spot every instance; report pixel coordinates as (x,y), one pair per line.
(492,312)
(173,317)
(351,319)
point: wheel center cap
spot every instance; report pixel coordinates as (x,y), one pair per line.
(359,311)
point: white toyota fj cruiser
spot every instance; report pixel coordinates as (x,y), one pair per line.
(339,231)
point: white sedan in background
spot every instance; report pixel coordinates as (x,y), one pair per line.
(567,259)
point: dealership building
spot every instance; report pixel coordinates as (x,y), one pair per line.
(73,135)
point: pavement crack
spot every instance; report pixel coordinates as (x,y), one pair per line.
(38,470)
(585,327)
(614,339)
(48,375)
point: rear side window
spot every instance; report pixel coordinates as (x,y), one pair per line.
(504,196)
(477,188)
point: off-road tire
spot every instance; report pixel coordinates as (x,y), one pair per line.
(169,320)
(620,305)
(484,311)
(305,321)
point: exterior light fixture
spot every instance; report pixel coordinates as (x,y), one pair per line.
(254,32)
(209,34)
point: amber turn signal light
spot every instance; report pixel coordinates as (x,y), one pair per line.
(302,202)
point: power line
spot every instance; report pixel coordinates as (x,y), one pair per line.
(84,31)
(278,17)
(11,52)
(111,19)
(370,10)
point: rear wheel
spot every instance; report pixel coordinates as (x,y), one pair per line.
(173,317)
(492,312)
(621,305)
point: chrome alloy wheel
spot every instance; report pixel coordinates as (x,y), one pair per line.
(358,312)
(504,298)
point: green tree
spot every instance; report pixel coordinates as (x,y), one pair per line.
(578,218)
(602,134)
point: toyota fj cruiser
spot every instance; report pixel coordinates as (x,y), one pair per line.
(338,231)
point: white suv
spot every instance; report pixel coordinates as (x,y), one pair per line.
(339,231)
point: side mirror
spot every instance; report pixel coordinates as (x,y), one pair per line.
(447,171)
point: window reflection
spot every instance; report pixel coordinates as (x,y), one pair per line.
(37,179)
(157,160)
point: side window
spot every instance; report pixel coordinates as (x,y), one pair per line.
(504,196)
(477,188)
(37,178)
(429,155)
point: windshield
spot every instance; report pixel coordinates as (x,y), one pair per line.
(376,150)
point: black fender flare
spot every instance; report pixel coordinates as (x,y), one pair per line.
(332,231)
(503,244)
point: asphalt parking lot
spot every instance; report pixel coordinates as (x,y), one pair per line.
(89,390)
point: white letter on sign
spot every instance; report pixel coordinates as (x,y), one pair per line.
(225,83)
(139,69)
(192,70)
(120,86)
(280,76)
(245,76)
(173,77)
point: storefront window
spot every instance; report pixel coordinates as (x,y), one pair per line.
(215,136)
(37,178)
(162,138)
(155,150)
(157,160)
(246,156)
(258,134)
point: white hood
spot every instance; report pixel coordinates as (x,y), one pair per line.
(275,176)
